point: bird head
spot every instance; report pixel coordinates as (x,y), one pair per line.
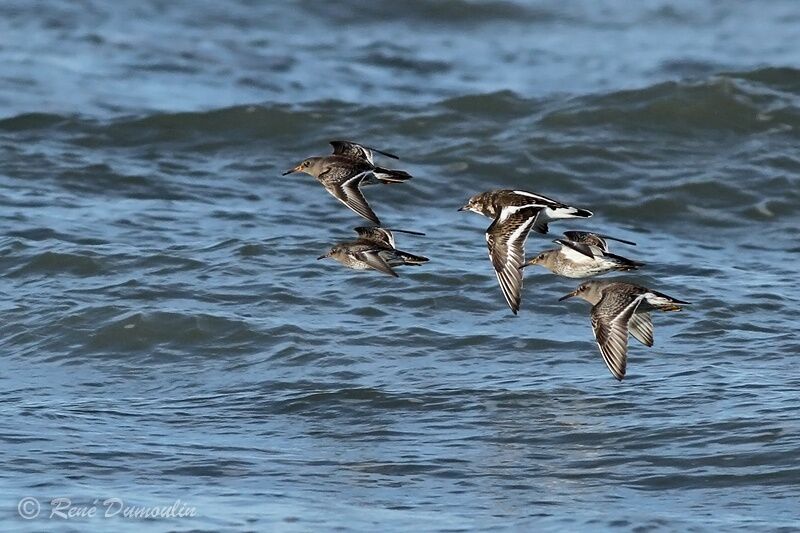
(538,260)
(591,291)
(579,292)
(312,166)
(474,204)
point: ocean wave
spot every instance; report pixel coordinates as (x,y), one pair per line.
(59,263)
(157,331)
(722,103)
(742,101)
(32,121)
(439,12)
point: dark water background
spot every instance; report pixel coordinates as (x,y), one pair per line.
(168,334)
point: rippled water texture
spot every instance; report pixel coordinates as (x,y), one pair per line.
(168,333)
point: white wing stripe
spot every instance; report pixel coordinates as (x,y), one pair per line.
(543,201)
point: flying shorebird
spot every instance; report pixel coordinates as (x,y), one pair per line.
(515,214)
(350,166)
(583,254)
(619,308)
(374,249)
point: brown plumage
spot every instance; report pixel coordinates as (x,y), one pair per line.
(374,249)
(619,308)
(343,173)
(515,214)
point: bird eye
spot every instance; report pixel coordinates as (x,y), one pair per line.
(305,164)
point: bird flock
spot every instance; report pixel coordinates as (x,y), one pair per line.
(619,309)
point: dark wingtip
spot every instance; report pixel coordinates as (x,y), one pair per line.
(623,241)
(578,212)
(391,175)
(631,265)
(409,232)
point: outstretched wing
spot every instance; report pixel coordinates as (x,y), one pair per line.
(641,328)
(506,240)
(349,194)
(610,318)
(357,151)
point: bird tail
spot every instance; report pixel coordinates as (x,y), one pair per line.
(662,302)
(411,259)
(553,213)
(623,263)
(573,212)
(387,175)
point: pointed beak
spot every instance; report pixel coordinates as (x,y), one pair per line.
(463,208)
(295,169)
(323,256)
(570,295)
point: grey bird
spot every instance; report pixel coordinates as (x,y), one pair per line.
(583,254)
(515,214)
(619,308)
(374,249)
(342,174)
